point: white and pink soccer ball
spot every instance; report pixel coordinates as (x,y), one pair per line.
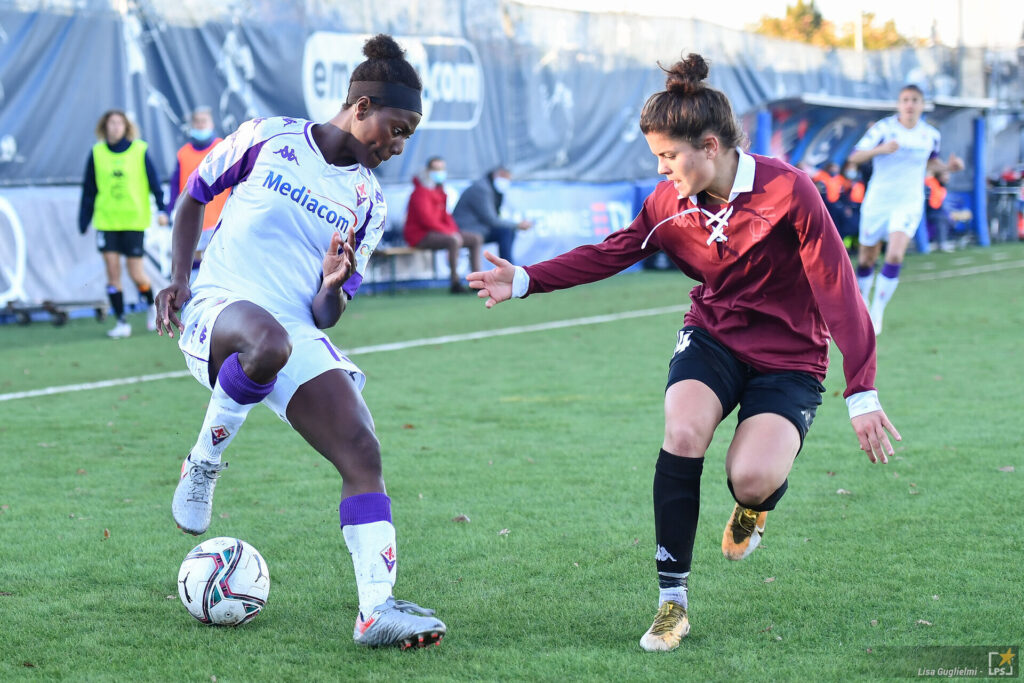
(224,581)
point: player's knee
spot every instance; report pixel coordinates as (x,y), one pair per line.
(750,487)
(683,439)
(272,349)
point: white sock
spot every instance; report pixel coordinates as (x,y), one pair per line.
(864,284)
(224,417)
(674,593)
(883,293)
(374,560)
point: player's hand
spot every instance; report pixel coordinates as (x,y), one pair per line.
(494,285)
(168,302)
(888,147)
(871,431)
(525,225)
(955,163)
(162,219)
(340,261)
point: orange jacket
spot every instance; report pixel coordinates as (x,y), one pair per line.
(937,194)
(857,192)
(834,185)
(189,159)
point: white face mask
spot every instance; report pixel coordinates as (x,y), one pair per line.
(501,185)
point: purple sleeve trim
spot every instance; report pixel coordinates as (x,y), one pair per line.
(239,171)
(173,183)
(352,284)
(365,508)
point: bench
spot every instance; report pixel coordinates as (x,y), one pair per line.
(390,256)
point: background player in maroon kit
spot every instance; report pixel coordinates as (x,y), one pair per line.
(775,283)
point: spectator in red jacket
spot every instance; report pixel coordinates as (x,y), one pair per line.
(428,225)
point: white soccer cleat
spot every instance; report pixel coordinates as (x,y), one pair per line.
(400,623)
(151,318)
(192,505)
(670,626)
(121,330)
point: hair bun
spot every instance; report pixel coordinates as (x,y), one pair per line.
(686,77)
(382,46)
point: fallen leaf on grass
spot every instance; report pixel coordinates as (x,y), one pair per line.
(766,629)
(636,541)
(769,579)
(874,622)
(503,532)
(778,637)
(460,518)
(842,492)
(408,426)
(922,622)
(5,593)
(869,650)
(831,474)
(28,664)
(81,471)
(170,597)
(576,564)
(1008,468)
(913,485)
(106,533)
(224,515)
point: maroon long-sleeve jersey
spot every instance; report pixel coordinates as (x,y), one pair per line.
(775,279)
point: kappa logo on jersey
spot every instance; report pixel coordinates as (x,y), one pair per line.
(289,121)
(361,193)
(288,154)
(388,555)
(682,342)
(377,196)
(663,555)
(304,197)
(218,434)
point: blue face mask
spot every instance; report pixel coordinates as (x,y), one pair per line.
(501,185)
(438,177)
(200,135)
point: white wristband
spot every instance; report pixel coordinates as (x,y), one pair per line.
(863,402)
(520,283)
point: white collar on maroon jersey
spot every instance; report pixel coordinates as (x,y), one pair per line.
(744,180)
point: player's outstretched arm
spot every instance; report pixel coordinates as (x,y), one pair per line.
(873,430)
(494,285)
(188,225)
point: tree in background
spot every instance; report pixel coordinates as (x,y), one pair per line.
(805,24)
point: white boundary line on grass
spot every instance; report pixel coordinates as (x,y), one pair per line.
(483,334)
(375,348)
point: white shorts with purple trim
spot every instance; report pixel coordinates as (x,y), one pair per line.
(877,224)
(312,352)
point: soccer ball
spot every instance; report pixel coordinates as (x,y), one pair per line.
(224,581)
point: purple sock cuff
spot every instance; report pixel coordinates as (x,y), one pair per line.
(238,386)
(891,270)
(365,508)
(864,271)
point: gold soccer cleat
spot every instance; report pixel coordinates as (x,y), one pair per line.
(670,626)
(743,533)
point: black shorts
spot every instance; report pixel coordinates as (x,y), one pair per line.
(792,394)
(127,242)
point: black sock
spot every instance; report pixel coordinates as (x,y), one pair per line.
(116,302)
(147,295)
(676,507)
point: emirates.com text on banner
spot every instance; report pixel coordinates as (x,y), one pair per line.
(450,69)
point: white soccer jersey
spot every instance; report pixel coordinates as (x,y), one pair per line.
(897,179)
(277,224)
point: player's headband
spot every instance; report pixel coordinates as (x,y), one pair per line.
(387,95)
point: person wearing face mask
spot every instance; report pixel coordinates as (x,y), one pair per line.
(201,139)
(119,177)
(428,225)
(479,211)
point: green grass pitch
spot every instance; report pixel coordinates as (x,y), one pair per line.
(551,435)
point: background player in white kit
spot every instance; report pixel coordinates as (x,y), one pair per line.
(304,215)
(902,148)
